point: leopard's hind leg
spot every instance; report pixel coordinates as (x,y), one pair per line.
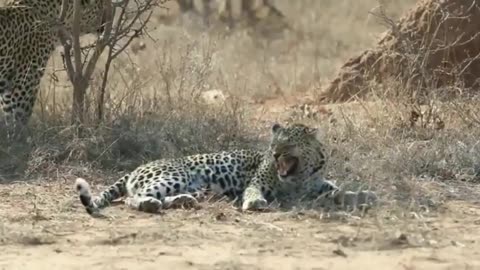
(180,201)
(163,195)
(151,204)
(144,203)
(148,198)
(189,199)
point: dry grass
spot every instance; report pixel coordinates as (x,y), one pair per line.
(154,110)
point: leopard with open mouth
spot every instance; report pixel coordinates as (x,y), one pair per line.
(295,156)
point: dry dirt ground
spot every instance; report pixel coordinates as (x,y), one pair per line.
(44,227)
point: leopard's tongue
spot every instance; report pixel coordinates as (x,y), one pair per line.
(286,165)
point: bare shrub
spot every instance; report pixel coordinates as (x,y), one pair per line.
(129,24)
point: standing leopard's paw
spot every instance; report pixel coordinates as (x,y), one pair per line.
(254,204)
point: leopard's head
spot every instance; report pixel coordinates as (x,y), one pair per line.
(297,152)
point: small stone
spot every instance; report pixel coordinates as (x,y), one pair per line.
(457,244)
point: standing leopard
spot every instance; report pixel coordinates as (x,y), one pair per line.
(28,39)
(234,11)
(295,157)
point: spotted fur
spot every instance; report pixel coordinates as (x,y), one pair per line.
(235,12)
(29,38)
(295,157)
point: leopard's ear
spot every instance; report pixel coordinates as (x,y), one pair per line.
(306,129)
(276,127)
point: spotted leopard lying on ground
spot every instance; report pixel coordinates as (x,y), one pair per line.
(295,157)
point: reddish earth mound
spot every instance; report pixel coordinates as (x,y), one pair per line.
(437,43)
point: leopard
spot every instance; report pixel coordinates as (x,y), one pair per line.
(295,157)
(261,16)
(29,33)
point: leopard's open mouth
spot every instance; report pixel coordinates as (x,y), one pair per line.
(286,165)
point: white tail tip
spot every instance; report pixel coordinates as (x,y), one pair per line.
(82,186)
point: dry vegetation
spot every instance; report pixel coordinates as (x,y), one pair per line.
(423,160)
(432,49)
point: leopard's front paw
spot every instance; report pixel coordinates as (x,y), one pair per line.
(254,204)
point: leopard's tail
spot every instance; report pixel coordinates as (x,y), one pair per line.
(93,205)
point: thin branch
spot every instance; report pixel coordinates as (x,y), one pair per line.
(136,34)
(63,10)
(101,42)
(77,53)
(80,66)
(65,40)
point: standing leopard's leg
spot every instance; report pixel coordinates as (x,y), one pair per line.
(23,81)
(8,105)
(6,87)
